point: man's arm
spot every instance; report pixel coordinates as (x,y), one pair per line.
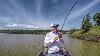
(48,40)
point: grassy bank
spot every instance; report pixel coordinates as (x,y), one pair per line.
(92,35)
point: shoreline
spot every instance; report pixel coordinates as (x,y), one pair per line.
(92,35)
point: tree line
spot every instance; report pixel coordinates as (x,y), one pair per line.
(27,31)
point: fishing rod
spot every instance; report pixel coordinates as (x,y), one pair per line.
(66,19)
(69,14)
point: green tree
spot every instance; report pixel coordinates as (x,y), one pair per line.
(86,24)
(96,19)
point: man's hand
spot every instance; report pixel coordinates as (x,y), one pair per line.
(60,34)
(55,37)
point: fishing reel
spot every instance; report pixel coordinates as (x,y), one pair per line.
(60,34)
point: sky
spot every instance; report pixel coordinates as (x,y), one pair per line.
(39,14)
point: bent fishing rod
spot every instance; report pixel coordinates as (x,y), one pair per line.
(67,17)
(68,14)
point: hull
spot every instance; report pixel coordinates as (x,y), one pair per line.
(64,53)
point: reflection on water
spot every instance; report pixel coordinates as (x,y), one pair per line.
(83,48)
(30,45)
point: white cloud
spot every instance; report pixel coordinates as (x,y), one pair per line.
(25,23)
(36,27)
(11,25)
(22,26)
(31,26)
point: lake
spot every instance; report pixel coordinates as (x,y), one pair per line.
(31,45)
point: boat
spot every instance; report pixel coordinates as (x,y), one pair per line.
(63,53)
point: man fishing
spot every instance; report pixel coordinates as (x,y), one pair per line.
(54,41)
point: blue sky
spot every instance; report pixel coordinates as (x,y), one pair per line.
(39,14)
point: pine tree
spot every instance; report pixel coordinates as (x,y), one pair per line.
(96,19)
(86,24)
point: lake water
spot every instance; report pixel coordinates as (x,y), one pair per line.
(31,45)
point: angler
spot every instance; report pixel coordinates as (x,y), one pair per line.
(54,43)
